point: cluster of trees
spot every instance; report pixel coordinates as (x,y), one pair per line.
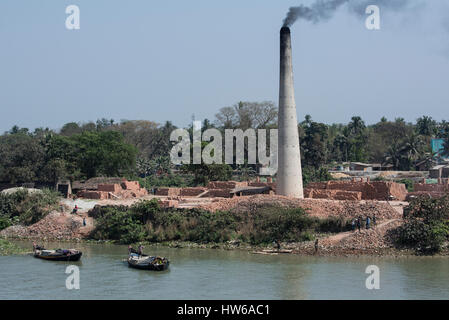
(141,148)
(46,156)
(397,142)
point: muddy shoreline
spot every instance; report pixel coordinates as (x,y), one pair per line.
(301,248)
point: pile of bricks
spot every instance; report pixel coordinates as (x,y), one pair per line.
(320,208)
(375,190)
(124,190)
(226,184)
(214,189)
(168,203)
(169,192)
(192,192)
(332,194)
(430,190)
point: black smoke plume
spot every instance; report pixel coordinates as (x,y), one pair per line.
(322,10)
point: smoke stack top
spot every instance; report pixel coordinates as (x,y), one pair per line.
(285,30)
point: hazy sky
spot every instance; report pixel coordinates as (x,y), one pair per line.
(168,60)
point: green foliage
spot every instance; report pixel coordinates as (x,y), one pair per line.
(5,222)
(47,157)
(145,220)
(168,180)
(103,153)
(21,157)
(311,174)
(25,207)
(204,173)
(426,225)
(408,184)
(9,248)
(118,225)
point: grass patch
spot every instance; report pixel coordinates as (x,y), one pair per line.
(8,248)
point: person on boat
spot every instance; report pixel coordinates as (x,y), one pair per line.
(75,210)
(131,250)
(140,250)
(37,247)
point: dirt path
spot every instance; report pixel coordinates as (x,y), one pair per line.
(332,240)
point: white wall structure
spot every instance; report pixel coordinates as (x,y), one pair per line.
(289,176)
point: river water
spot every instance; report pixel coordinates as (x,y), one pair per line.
(219,274)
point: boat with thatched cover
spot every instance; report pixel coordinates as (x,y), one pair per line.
(58,255)
(145,262)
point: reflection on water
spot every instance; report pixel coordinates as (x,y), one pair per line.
(220,274)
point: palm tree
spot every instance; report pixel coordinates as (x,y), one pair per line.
(426,126)
(356,126)
(413,147)
(394,156)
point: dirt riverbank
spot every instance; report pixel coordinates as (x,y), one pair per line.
(62,226)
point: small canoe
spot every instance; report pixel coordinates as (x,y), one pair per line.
(277,251)
(265,253)
(144,262)
(58,255)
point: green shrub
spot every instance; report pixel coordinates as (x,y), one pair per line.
(408,184)
(426,225)
(254,226)
(310,174)
(26,207)
(118,225)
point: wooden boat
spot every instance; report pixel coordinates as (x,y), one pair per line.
(58,255)
(272,252)
(277,251)
(145,262)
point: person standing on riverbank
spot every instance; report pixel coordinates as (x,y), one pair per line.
(359,223)
(353,225)
(368,221)
(374,220)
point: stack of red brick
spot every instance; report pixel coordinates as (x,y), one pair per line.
(124,190)
(430,190)
(356,190)
(221,189)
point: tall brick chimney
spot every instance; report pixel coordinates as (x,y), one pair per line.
(289,176)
